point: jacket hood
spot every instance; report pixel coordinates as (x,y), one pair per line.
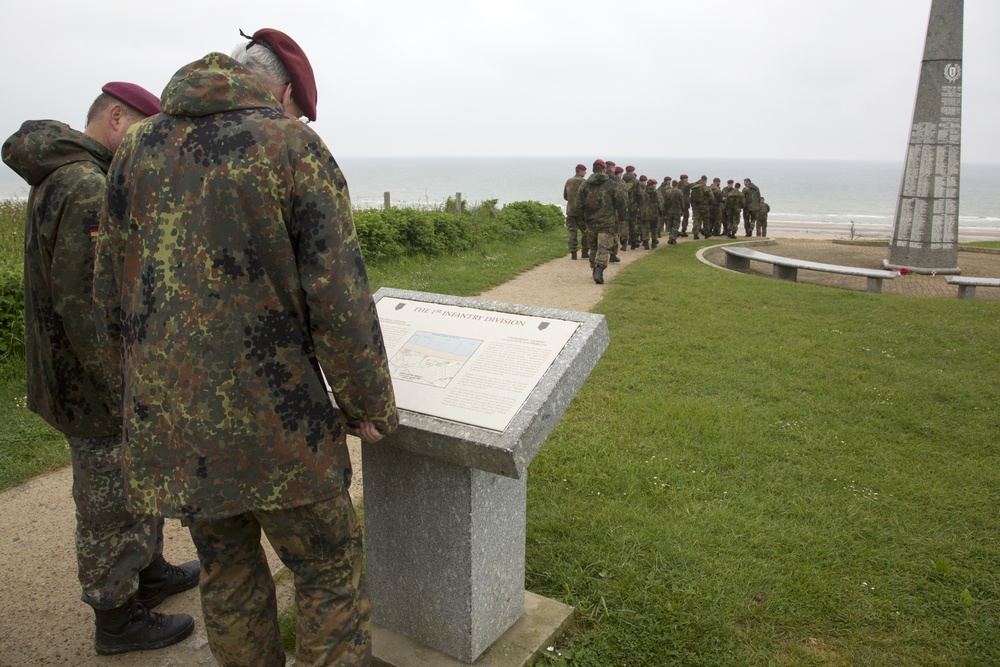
(42,146)
(597,178)
(214,84)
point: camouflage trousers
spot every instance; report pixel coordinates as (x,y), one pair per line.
(749,221)
(602,244)
(702,221)
(574,231)
(762,226)
(113,544)
(731,221)
(650,229)
(321,544)
(685,217)
(673,223)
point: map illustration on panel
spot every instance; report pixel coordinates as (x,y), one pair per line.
(432,359)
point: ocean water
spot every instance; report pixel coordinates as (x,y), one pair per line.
(797,190)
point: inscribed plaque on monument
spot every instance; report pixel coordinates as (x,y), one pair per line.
(467,365)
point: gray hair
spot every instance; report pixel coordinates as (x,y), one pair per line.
(263,62)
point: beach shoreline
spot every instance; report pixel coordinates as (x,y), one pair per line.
(839,230)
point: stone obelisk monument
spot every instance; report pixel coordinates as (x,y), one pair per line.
(925,231)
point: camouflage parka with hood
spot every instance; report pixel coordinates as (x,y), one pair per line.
(230,272)
(66,171)
(600,201)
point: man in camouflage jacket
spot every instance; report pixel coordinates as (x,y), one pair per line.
(601,202)
(66,387)
(574,225)
(233,282)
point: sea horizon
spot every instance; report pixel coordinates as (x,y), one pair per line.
(862,192)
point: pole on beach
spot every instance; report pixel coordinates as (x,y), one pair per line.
(387,200)
(925,229)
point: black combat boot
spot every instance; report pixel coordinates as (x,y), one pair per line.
(132,627)
(645,244)
(572,254)
(624,245)
(160,579)
(614,258)
(599,274)
(586,254)
(655,243)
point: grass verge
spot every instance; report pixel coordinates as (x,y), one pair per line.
(768,473)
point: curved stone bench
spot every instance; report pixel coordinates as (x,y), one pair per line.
(967,285)
(738,258)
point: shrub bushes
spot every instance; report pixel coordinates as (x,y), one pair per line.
(397,232)
(383,234)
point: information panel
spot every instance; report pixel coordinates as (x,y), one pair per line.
(467,365)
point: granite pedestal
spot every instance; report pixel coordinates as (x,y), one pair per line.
(445,502)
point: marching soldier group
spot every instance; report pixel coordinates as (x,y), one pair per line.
(614,210)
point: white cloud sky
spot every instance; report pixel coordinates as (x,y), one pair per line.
(717,78)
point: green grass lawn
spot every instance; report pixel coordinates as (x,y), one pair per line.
(769,473)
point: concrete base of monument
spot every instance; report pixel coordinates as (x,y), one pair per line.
(543,622)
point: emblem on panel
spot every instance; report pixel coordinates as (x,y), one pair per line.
(952,72)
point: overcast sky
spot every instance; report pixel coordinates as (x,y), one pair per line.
(714,78)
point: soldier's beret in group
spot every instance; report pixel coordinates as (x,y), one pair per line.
(297,64)
(730,181)
(600,163)
(618,170)
(629,168)
(716,180)
(684,176)
(652,180)
(642,178)
(703,177)
(135,96)
(609,163)
(580,166)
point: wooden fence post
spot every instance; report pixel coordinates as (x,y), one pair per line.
(387,203)
(458,202)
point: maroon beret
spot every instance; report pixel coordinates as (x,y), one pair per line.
(716,180)
(729,181)
(135,96)
(643,177)
(580,166)
(683,176)
(297,64)
(666,179)
(610,163)
(652,180)
(630,168)
(618,170)
(600,163)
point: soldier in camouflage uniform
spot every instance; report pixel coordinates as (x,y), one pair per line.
(574,226)
(602,203)
(762,212)
(685,188)
(672,204)
(701,203)
(633,196)
(233,284)
(66,387)
(649,216)
(734,204)
(716,212)
(751,194)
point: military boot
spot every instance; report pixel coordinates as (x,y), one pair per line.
(599,274)
(160,579)
(572,254)
(645,244)
(586,254)
(132,627)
